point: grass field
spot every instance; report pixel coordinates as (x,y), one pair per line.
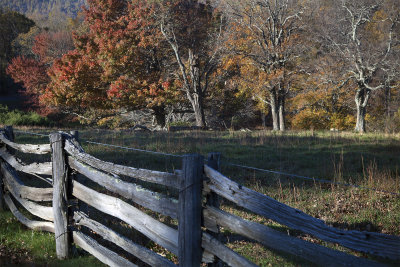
(369,161)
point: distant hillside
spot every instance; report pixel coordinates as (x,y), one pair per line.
(69,8)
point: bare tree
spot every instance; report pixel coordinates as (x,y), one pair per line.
(272,27)
(362,36)
(193,30)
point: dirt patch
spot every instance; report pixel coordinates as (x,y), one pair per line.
(14,257)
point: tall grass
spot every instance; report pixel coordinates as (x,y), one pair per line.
(370,161)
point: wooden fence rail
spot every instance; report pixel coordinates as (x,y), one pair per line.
(196,238)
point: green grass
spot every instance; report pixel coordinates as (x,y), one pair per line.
(19,246)
(369,160)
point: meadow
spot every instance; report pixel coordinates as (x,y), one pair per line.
(369,161)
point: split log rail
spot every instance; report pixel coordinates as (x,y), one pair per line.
(197,238)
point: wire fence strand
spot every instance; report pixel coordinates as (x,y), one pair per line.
(309,178)
(31,133)
(231,164)
(134,149)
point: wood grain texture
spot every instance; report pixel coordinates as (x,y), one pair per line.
(100,252)
(34,225)
(373,243)
(144,254)
(282,242)
(214,200)
(60,200)
(26,148)
(189,222)
(152,200)
(164,178)
(46,213)
(18,188)
(153,229)
(36,168)
(223,252)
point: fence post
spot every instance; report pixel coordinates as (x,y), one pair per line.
(214,200)
(190,208)
(60,204)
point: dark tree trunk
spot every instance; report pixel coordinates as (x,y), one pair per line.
(263,119)
(159,114)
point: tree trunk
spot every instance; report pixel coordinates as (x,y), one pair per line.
(199,113)
(282,113)
(263,119)
(360,123)
(387,108)
(361,99)
(274,111)
(159,114)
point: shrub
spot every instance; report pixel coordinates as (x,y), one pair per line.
(20,118)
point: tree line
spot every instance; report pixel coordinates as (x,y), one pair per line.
(300,64)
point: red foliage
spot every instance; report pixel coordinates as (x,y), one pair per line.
(32,72)
(32,75)
(115,64)
(50,46)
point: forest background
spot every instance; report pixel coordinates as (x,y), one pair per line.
(295,64)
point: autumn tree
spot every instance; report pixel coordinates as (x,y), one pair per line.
(267,37)
(321,100)
(31,69)
(193,30)
(117,63)
(363,38)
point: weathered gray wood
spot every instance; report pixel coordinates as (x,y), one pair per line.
(74,135)
(164,178)
(152,200)
(144,254)
(60,201)
(26,148)
(153,229)
(35,225)
(374,243)
(11,182)
(214,200)
(36,168)
(43,212)
(282,242)
(214,162)
(19,189)
(100,252)
(226,254)
(7,131)
(189,222)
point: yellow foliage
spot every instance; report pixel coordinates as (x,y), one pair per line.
(321,119)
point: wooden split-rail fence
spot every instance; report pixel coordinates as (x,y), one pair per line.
(197,238)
